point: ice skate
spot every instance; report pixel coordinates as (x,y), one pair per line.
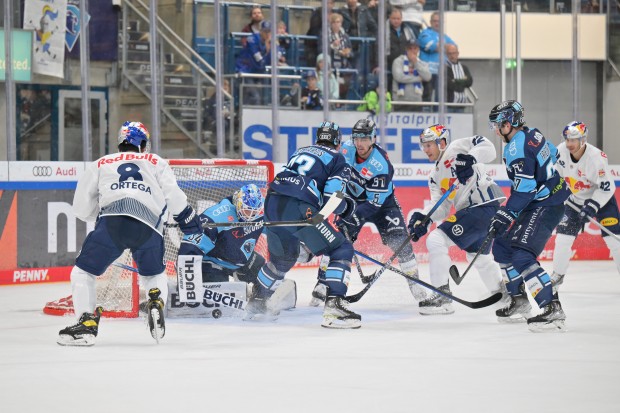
(83,333)
(318,295)
(337,315)
(556,281)
(258,307)
(155,314)
(551,319)
(517,311)
(437,303)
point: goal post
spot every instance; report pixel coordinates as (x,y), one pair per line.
(205,183)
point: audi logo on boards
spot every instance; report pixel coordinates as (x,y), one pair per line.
(403,171)
(42,171)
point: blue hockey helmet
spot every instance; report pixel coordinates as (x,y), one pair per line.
(509,111)
(576,130)
(329,132)
(249,202)
(435,133)
(135,134)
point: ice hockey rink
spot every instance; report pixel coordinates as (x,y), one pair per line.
(399,361)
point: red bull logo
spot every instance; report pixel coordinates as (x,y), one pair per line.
(446,184)
(576,185)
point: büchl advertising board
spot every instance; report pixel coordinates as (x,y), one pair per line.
(40,236)
(298,129)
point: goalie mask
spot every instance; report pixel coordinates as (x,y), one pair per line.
(576,130)
(135,134)
(249,203)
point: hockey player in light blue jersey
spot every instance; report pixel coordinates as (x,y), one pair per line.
(523,226)
(229,251)
(372,187)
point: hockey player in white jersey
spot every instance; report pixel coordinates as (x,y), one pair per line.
(586,171)
(129,193)
(475,200)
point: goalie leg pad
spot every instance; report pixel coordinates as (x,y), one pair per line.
(285,296)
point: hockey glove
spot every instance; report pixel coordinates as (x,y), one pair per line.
(416,228)
(501,221)
(589,210)
(189,222)
(348,214)
(464,167)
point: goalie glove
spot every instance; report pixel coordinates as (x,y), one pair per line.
(188,221)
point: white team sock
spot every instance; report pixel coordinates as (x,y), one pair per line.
(562,253)
(84,291)
(156,281)
(438,244)
(614,247)
(489,271)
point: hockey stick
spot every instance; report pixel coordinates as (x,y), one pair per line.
(592,220)
(375,276)
(471,304)
(454,271)
(365,278)
(329,207)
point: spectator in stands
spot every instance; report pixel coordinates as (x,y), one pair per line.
(334,92)
(398,36)
(285,41)
(315,29)
(359,22)
(458,78)
(591,6)
(340,52)
(429,45)
(256,17)
(311,97)
(371,98)
(209,121)
(409,72)
(254,58)
(412,13)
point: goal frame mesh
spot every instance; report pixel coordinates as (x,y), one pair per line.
(187,182)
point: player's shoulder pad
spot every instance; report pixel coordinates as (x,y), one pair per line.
(224,211)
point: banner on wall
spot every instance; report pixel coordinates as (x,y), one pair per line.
(21,48)
(40,236)
(298,129)
(102,30)
(47,18)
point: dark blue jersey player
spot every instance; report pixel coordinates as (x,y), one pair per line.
(372,187)
(524,225)
(306,182)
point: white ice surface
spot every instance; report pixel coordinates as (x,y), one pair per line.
(399,361)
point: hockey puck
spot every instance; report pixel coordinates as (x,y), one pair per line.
(216,313)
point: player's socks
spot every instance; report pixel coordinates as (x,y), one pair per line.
(83,333)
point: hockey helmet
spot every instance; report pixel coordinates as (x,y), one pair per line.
(509,111)
(329,132)
(249,202)
(435,133)
(576,130)
(135,134)
(364,128)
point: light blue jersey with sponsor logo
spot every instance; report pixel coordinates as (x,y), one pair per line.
(377,172)
(229,247)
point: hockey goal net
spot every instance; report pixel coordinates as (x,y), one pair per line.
(205,182)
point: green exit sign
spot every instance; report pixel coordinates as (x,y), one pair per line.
(22,55)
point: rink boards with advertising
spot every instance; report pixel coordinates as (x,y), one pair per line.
(40,236)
